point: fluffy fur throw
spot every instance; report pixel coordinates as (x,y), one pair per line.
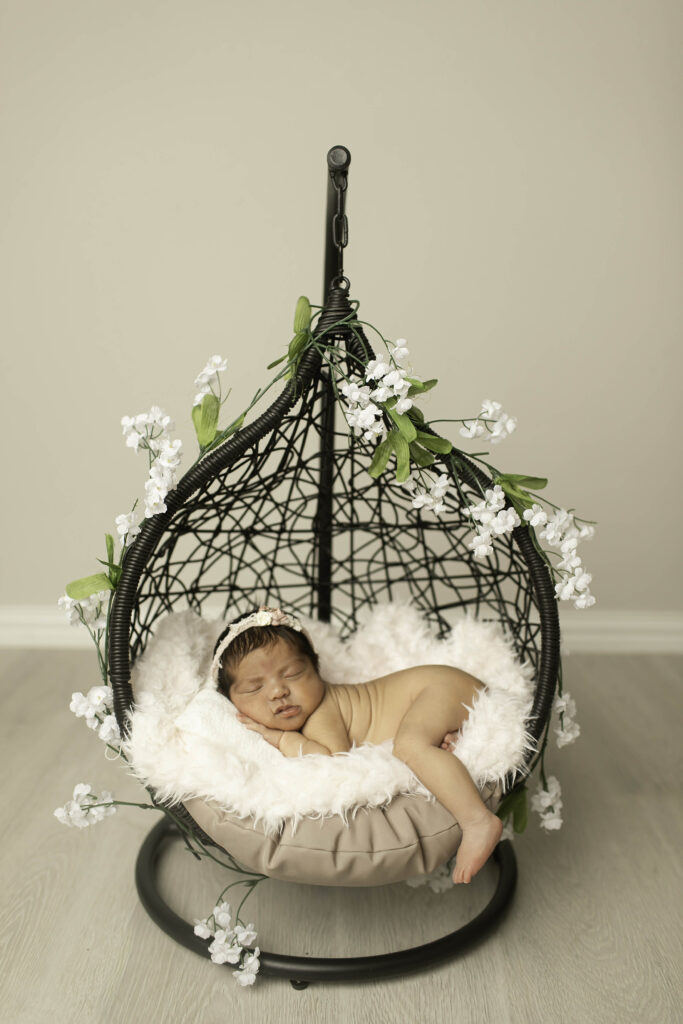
(185,740)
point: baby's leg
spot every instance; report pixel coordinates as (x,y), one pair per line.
(417,743)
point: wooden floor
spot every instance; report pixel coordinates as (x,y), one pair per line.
(593,933)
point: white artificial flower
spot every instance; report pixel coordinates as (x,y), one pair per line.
(551,821)
(395,379)
(486,511)
(82,708)
(133,440)
(439,487)
(399,351)
(410,482)
(423,500)
(199,397)
(128,424)
(169,453)
(472,428)
(249,970)
(544,799)
(80,812)
(93,609)
(567,733)
(556,527)
(202,929)
(159,418)
(222,916)
(565,704)
(377,431)
(216,364)
(382,394)
(366,417)
(97,701)
(535,515)
(506,521)
(262,619)
(480,544)
(109,730)
(490,410)
(68,605)
(377,368)
(575,587)
(404,404)
(503,428)
(584,600)
(245,934)
(223,950)
(154,505)
(355,392)
(126,526)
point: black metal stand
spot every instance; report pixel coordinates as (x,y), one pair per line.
(300,970)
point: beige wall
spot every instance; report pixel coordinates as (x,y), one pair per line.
(514,209)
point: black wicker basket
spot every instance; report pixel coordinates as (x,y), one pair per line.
(285,513)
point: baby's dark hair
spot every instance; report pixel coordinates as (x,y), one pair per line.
(250,640)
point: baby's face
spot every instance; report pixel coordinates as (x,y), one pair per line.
(274,678)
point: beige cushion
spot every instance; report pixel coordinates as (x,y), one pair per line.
(410,836)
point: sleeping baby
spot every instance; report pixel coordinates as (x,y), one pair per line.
(265,664)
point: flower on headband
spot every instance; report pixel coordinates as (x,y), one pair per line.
(273,617)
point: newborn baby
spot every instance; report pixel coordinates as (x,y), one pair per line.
(265,664)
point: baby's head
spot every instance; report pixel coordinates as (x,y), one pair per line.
(267,666)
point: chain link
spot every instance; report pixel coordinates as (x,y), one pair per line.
(340,227)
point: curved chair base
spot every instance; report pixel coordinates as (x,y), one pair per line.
(300,970)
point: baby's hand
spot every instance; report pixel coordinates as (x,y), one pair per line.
(272,735)
(449,740)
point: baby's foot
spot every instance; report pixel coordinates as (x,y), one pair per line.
(479,839)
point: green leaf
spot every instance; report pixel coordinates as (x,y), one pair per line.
(277,361)
(403,423)
(419,386)
(536,483)
(419,456)
(515,803)
(416,414)
(302,315)
(224,434)
(382,455)
(205,419)
(78,590)
(109,541)
(434,443)
(402,458)
(296,347)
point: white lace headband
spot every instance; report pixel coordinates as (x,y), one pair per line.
(263,617)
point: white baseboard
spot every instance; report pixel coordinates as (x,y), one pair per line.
(591,631)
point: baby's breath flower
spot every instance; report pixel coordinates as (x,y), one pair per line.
(81,812)
(249,970)
(127,528)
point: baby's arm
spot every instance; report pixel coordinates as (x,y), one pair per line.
(278,738)
(293,743)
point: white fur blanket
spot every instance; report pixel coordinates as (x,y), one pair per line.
(185,740)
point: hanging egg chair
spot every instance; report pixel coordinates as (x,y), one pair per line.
(284,513)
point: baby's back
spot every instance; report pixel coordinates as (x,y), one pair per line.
(372,712)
